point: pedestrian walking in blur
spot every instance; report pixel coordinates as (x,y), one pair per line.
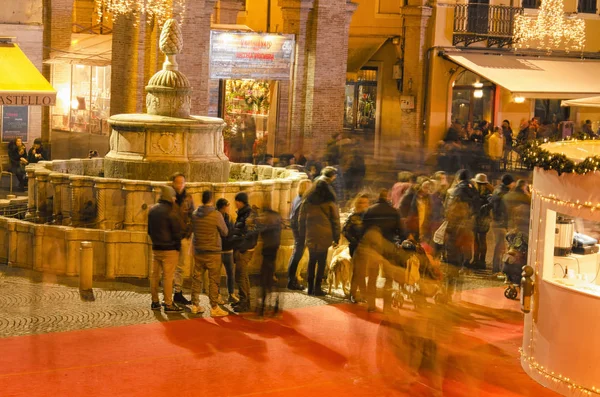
(269,223)
(461,203)
(518,205)
(245,236)
(184,208)
(164,229)
(353,230)
(299,240)
(500,221)
(209,227)
(227,255)
(319,224)
(483,220)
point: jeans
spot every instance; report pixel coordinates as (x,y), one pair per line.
(500,237)
(242,259)
(183,263)
(227,259)
(295,259)
(316,257)
(164,261)
(206,262)
(480,247)
(19,172)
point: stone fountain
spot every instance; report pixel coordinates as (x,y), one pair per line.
(167,139)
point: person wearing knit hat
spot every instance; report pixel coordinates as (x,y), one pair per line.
(164,229)
(500,221)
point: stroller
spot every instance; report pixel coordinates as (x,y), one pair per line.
(514,260)
(416,276)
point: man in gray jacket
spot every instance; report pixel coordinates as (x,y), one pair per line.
(209,226)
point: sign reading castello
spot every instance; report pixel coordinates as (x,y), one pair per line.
(243,55)
(24,99)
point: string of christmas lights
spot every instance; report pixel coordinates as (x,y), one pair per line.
(534,156)
(550,29)
(154,10)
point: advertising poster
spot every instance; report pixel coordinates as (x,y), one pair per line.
(243,55)
(15,123)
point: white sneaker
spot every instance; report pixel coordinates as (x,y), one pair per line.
(196,309)
(218,312)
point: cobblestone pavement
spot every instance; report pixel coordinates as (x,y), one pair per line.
(36,303)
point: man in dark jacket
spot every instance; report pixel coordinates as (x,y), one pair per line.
(299,241)
(500,220)
(164,230)
(184,208)
(209,226)
(245,236)
(36,153)
(383,215)
(227,255)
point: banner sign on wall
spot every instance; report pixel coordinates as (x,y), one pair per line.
(15,123)
(244,55)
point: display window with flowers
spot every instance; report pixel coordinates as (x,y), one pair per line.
(246,111)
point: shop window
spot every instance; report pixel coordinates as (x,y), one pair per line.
(83,99)
(549,110)
(360,101)
(246,110)
(586,6)
(472,99)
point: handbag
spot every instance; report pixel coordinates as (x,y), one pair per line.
(438,236)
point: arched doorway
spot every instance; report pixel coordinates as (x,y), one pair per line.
(473,99)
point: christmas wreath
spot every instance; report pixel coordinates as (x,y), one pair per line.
(534,156)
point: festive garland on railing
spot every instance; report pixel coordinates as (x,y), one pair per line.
(534,156)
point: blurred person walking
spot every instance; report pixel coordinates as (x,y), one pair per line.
(319,224)
(483,220)
(518,206)
(269,223)
(184,208)
(209,226)
(245,235)
(227,247)
(386,217)
(299,240)
(164,229)
(353,230)
(405,181)
(419,216)
(461,202)
(500,221)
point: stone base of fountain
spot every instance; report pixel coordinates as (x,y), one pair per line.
(152,147)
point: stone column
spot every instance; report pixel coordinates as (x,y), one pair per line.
(107,214)
(248,188)
(416,18)
(134,204)
(194,60)
(11,226)
(81,196)
(42,178)
(155,186)
(38,239)
(265,192)
(294,188)
(226,11)
(325,92)
(31,195)
(60,183)
(297,20)
(284,186)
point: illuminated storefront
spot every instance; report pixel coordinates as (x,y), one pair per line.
(81,76)
(249,66)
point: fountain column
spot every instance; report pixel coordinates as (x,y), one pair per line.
(134,204)
(30,170)
(42,177)
(60,183)
(107,215)
(266,194)
(81,199)
(283,187)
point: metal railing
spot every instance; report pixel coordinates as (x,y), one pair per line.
(479,22)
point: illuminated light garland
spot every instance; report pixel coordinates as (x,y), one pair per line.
(550,29)
(159,10)
(557,378)
(534,156)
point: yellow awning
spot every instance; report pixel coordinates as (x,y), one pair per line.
(21,83)
(534,77)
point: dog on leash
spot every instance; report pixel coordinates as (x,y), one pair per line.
(340,269)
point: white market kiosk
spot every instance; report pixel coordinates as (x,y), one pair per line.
(561,339)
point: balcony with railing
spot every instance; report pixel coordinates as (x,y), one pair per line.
(492,24)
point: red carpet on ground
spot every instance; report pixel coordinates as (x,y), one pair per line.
(470,349)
